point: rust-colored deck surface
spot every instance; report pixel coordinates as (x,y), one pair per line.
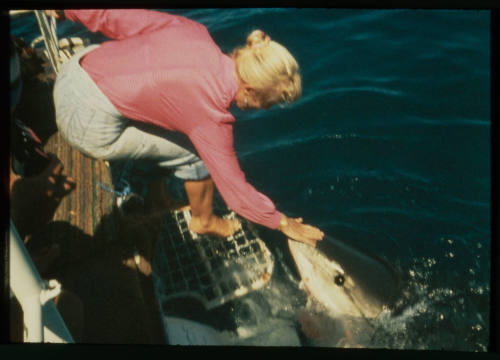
(89,202)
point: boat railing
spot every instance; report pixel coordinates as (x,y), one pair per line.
(42,320)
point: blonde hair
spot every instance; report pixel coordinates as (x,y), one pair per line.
(269,68)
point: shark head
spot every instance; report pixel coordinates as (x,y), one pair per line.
(345,280)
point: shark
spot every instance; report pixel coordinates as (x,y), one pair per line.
(345,280)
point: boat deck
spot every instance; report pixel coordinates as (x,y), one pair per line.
(101,258)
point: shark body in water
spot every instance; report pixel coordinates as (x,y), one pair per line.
(348,282)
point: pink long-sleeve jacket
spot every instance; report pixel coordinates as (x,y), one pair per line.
(166,70)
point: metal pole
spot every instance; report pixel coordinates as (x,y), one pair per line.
(50,38)
(41,317)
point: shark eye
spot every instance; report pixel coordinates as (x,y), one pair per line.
(339,280)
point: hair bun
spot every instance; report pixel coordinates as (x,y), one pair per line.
(257,38)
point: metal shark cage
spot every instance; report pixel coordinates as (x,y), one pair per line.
(209,269)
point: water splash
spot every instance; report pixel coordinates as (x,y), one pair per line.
(435,317)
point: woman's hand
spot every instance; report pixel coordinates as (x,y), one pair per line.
(295,230)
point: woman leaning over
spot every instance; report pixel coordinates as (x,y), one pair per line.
(160,90)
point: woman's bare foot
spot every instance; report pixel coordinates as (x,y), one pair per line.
(214,226)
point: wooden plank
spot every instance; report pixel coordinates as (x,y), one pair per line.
(89,202)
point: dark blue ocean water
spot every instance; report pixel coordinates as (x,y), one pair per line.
(389,147)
